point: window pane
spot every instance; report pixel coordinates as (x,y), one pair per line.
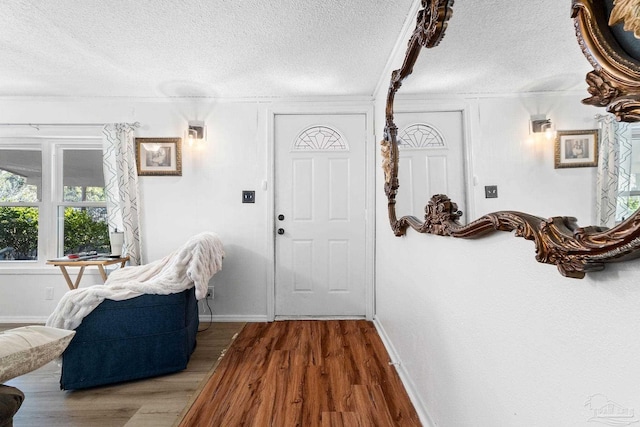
(628,199)
(85,229)
(18,233)
(20,175)
(634,167)
(82,176)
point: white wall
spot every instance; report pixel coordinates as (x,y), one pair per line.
(491,338)
(206,197)
(486,336)
(506,154)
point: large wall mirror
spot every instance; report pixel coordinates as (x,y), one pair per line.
(422,197)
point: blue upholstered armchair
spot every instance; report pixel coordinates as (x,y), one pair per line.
(131,339)
(142,322)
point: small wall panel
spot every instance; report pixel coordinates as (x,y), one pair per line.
(437,175)
(303,189)
(338,265)
(303,262)
(339,187)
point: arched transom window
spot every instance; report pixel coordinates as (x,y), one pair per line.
(320,138)
(420,136)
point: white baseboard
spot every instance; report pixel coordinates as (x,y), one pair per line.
(203,318)
(233,318)
(23,319)
(405,377)
(319,317)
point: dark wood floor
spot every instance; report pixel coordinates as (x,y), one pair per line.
(306,374)
(152,402)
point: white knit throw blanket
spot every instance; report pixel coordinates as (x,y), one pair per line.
(191,265)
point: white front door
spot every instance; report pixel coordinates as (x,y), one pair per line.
(320,214)
(431,160)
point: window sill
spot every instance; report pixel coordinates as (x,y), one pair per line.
(35,269)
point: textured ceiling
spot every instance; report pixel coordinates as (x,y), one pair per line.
(503,46)
(219,48)
(278,48)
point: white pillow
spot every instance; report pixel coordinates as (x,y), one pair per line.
(27,348)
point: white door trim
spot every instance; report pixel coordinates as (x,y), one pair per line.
(369,215)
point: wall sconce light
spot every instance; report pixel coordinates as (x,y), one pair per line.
(196,133)
(540,124)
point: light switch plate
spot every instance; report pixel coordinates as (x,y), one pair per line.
(248,196)
(491,191)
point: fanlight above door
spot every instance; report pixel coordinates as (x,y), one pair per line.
(614,83)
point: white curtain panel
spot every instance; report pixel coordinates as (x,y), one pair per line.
(121,186)
(614,165)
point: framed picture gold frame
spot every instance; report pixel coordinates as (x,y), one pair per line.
(159,156)
(576,148)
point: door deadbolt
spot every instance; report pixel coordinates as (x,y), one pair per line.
(281,217)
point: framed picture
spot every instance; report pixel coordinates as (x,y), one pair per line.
(576,148)
(159,156)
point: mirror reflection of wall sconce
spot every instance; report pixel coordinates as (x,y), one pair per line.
(540,124)
(196,134)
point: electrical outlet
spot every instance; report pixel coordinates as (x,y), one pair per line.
(48,293)
(210,293)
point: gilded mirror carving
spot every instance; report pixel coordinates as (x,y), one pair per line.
(614,84)
(614,53)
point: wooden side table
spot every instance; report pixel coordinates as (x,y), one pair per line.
(98,262)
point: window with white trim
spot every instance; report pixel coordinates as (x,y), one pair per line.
(52,200)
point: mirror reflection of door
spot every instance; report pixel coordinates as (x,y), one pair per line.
(320,214)
(431,160)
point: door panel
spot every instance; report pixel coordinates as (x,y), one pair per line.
(431,160)
(320,190)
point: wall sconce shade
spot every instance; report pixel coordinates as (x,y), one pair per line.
(540,124)
(196,133)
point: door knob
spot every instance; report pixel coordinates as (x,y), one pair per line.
(280,231)
(281,217)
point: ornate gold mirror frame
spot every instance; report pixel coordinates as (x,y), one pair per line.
(614,83)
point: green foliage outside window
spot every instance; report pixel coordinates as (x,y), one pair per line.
(18,233)
(14,188)
(84,194)
(85,230)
